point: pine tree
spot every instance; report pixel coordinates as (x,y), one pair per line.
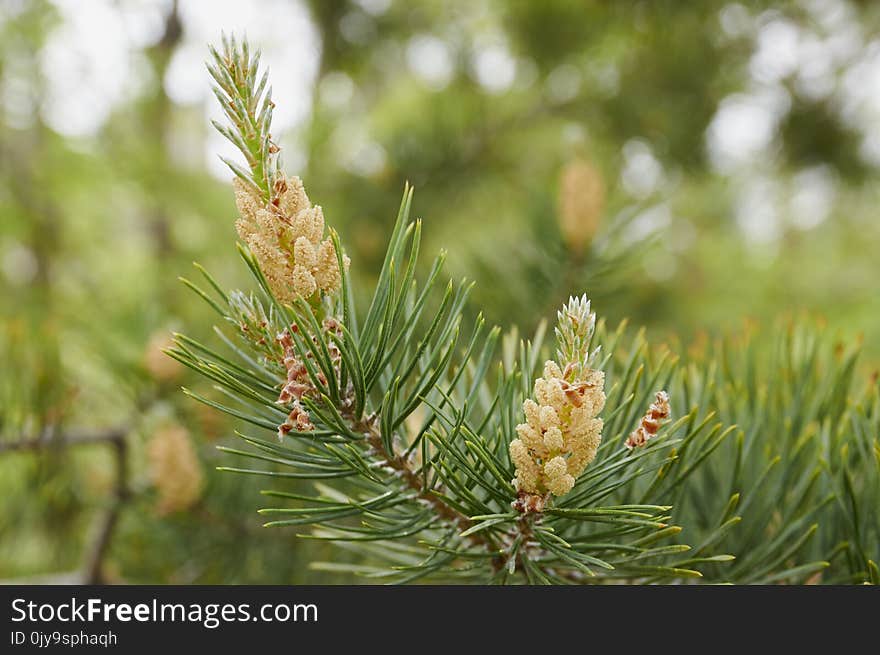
(435,457)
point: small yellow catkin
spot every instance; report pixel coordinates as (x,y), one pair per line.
(561,434)
(562,431)
(286,236)
(174,469)
(581,203)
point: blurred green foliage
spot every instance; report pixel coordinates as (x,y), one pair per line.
(480,105)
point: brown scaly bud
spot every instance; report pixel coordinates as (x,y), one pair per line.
(298,384)
(529,503)
(298,420)
(650,423)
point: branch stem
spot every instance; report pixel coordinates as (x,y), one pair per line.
(369,427)
(50,438)
(116,438)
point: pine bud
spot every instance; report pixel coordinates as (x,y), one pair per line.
(575,325)
(298,385)
(650,423)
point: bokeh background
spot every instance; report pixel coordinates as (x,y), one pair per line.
(690,165)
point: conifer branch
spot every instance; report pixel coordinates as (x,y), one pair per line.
(431,466)
(49,438)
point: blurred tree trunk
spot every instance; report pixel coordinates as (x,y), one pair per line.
(158,112)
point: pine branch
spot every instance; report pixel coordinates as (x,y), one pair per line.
(107,526)
(462,477)
(434,461)
(353,394)
(49,438)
